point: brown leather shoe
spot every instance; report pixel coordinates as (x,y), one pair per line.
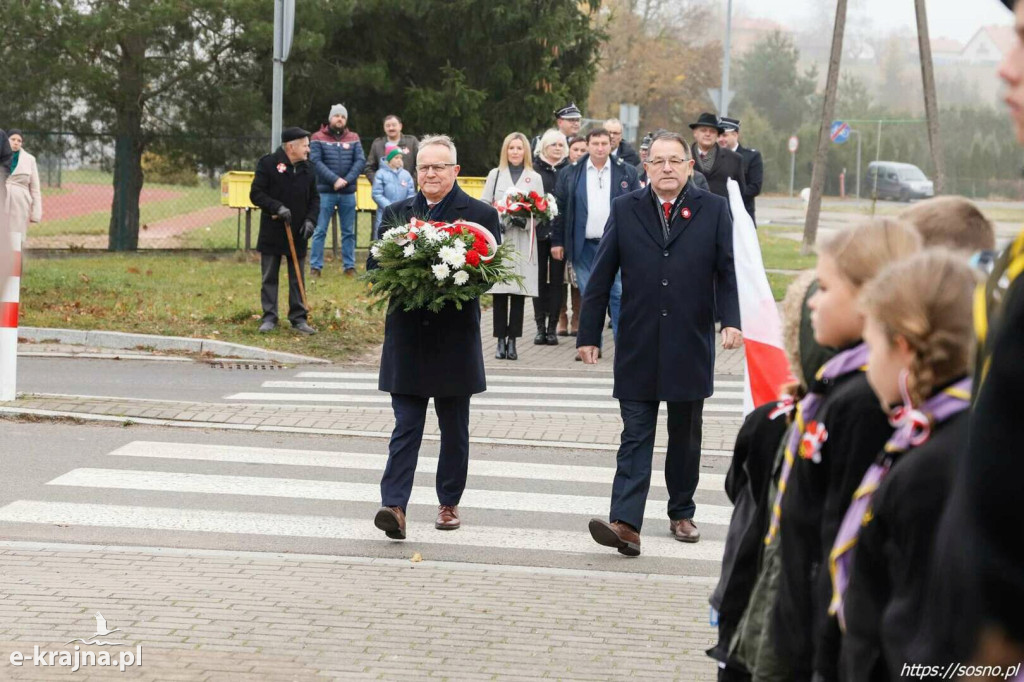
(617,534)
(391,520)
(447,517)
(684,530)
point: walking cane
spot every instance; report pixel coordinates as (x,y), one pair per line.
(295,262)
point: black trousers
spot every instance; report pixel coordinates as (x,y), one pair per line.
(550,287)
(636,452)
(270,266)
(508,322)
(404,448)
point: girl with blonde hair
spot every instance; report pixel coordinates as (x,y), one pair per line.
(840,428)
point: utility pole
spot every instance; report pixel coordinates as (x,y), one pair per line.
(284,27)
(824,136)
(723,110)
(931,106)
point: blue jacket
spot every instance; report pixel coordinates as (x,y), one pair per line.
(666,336)
(563,232)
(336,157)
(389,186)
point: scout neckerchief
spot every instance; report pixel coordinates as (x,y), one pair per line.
(806,436)
(677,207)
(913,428)
(989,301)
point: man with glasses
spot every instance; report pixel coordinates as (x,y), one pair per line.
(672,243)
(431,355)
(584,192)
(620,148)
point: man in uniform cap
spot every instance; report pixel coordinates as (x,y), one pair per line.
(285,189)
(753,164)
(717,164)
(567,120)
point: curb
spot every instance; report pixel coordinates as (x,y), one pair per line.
(126,341)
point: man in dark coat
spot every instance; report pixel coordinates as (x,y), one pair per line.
(392,136)
(285,188)
(753,164)
(584,192)
(431,355)
(673,243)
(620,148)
(717,164)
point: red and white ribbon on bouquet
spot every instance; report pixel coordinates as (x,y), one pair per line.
(508,206)
(9,297)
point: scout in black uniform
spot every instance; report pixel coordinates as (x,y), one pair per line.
(838,445)
(880,559)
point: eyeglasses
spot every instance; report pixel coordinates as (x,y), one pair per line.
(436,167)
(674,161)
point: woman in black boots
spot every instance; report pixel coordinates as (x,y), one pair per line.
(551,158)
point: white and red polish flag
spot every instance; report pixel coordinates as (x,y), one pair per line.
(766,369)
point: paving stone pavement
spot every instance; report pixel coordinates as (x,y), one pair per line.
(205,615)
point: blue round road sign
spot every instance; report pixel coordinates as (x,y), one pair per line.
(840,132)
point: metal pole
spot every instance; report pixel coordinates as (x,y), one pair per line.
(723,109)
(878,155)
(859,139)
(278,95)
(792,172)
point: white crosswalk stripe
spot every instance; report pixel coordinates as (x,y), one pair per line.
(228,489)
(524,393)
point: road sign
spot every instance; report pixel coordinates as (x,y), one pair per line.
(840,132)
(716,98)
(794,144)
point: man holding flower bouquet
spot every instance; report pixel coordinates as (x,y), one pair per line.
(508,189)
(432,332)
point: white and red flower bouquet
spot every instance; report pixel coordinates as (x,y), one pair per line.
(520,209)
(428,264)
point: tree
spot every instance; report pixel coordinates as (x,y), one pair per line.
(650,60)
(474,69)
(769,81)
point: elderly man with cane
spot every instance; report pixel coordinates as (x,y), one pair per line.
(285,189)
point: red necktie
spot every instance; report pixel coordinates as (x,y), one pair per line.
(667,208)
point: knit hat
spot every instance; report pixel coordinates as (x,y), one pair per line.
(338,109)
(391,152)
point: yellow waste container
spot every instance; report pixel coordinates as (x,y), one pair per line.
(234,189)
(472,186)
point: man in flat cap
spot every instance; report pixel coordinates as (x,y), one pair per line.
(753,164)
(717,164)
(285,189)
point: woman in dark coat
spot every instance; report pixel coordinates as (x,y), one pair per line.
(551,157)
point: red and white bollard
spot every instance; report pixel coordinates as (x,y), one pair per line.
(9,323)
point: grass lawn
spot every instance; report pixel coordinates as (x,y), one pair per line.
(215,296)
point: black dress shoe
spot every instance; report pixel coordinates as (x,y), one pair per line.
(551,339)
(502,351)
(540,339)
(511,352)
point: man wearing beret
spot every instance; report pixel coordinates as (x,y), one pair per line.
(285,189)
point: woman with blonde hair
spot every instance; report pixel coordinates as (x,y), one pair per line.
(515,169)
(24,199)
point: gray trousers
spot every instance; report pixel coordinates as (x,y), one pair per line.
(270,266)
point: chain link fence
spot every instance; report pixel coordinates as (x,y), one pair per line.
(180,205)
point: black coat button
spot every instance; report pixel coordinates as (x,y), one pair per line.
(664,313)
(665,254)
(664,282)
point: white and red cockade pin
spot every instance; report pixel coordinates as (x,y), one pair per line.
(685,213)
(281,168)
(345,145)
(625,184)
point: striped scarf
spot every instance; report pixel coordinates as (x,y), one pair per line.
(806,436)
(913,428)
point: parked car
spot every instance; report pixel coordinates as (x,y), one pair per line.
(902,181)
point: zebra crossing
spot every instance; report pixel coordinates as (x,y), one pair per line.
(522,392)
(521,506)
